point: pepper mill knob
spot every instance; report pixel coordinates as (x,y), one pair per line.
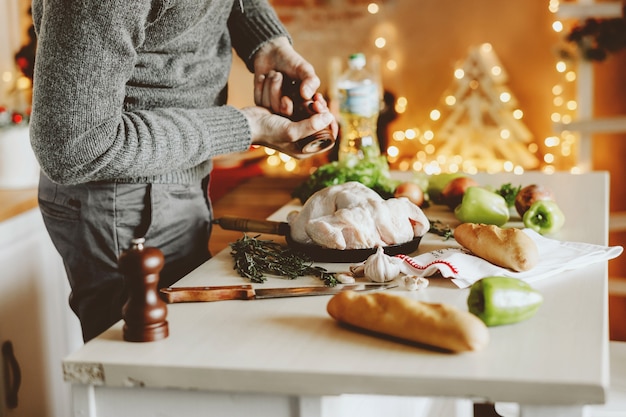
(144,312)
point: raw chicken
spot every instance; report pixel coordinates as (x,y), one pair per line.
(348,228)
(326,202)
(353,216)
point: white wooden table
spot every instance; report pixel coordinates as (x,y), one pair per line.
(282,357)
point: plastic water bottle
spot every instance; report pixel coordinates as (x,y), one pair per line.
(359,105)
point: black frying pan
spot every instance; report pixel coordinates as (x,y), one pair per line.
(314,252)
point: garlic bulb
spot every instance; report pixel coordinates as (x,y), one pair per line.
(381,267)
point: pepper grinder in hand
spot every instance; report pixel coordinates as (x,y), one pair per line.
(144,312)
(318,141)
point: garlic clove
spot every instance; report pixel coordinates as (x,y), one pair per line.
(415,283)
(345,278)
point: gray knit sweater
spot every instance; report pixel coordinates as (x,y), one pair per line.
(135,90)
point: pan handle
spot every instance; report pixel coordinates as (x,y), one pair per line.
(251,225)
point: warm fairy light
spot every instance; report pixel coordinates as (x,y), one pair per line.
(398,136)
(435,115)
(291,165)
(552,141)
(380,42)
(505,133)
(505,97)
(518,114)
(561,146)
(393,151)
(429,135)
(284,157)
(269,151)
(566,150)
(486,47)
(7,76)
(404,165)
(496,70)
(273,160)
(459,74)
(23,83)
(401,104)
(410,134)
(373,8)
(392,65)
(553,6)
(450,100)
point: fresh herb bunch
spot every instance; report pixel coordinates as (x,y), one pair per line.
(509,192)
(254,258)
(373,173)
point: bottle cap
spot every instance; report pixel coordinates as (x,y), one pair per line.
(357,60)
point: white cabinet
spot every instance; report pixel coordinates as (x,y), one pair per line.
(36,323)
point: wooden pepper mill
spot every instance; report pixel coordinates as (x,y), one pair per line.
(318,141)
(144,312)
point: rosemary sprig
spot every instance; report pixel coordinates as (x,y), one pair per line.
(437,227)
(254,258)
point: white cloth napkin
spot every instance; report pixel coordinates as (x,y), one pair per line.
(464,269)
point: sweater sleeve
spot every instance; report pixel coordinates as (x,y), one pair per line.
(253,23)
(81,128)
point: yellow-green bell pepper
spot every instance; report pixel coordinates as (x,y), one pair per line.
(503,300)
(544,217)
(480,205)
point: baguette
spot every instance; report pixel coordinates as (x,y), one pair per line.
(438,325)
(509,248)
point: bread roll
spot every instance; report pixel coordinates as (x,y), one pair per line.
(509,248)
(439,325)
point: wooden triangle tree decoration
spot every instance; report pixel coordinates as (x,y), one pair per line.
(480,123)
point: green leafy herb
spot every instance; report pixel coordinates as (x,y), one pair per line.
(254,258)
(509,192)
(373,173)
(437,227)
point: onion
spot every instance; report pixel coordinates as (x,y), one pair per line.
(410,190)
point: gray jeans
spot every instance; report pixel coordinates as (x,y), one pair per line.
(92,224)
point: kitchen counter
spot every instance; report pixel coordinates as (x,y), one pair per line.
(16,201)
(285,357)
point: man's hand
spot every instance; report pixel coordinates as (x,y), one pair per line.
(279,133)
(274,59)
(269,122)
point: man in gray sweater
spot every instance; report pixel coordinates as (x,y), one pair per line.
(129,108)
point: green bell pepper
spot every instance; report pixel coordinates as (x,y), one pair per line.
(544,217)
(503,300)
(480,205)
